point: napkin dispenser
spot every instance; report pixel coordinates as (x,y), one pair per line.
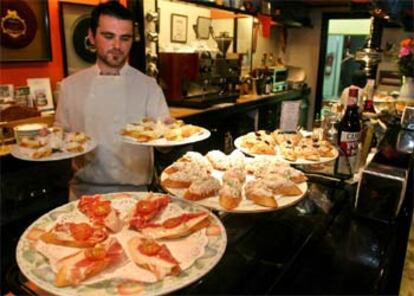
(381,191)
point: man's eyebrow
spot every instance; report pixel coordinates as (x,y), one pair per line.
(107,32)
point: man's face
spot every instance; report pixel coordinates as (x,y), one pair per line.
(113,40)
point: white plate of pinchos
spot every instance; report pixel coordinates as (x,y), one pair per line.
(121,243)
(161,133)
(298,147)
(234,183)
(55,145)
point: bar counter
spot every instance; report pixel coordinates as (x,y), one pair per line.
(242,104)
(318,246)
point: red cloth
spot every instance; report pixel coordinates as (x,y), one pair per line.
(266,22)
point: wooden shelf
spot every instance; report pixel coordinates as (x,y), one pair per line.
(279,20)
(221,7)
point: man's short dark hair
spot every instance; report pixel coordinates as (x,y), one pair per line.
(111,8)
(359,78)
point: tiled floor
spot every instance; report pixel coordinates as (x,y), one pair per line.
(407,282)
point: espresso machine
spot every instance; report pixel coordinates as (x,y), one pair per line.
(200,79)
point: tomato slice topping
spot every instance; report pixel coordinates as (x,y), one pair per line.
(95,253)
(102,208)
(145,207)
(149,248)
(80,231)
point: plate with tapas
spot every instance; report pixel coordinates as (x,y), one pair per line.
(234,182)
(53,145)
(121,243)
(299,147)
(163,133)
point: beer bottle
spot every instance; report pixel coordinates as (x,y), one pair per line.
(349,132)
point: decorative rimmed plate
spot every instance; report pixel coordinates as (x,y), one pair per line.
(162,142)
(25,153)
(245,206)
(212,243)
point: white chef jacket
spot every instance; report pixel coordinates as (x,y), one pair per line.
(100,106)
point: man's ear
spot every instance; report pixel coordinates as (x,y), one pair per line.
(91,37)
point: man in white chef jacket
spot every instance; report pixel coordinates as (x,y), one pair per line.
(101,100)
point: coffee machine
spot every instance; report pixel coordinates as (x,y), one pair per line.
(200,80)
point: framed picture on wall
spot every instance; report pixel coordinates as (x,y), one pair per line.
(78,52)
(203,27)
(179,28)
(25,31)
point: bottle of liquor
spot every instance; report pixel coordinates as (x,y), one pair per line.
(369,100)
(349,132)
(270,60)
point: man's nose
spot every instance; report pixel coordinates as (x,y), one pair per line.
(117,42)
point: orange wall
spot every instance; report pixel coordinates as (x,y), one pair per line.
(17,73)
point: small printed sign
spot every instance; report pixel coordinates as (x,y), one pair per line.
(289,115)
(41,93)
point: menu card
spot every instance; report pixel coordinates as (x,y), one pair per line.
(289,115)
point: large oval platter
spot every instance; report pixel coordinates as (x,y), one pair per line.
(209,243)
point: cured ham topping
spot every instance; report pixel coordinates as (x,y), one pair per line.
(80,231)
(103,255)
(147,209)
(152,249)
(175,221)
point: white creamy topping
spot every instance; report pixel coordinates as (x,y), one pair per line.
(205,185)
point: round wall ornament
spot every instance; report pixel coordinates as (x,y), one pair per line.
(18,24)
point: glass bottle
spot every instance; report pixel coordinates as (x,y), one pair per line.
(264,60)
(269,84)
(270,60)
(369,100)
(349,132)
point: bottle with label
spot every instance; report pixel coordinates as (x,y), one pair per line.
(349,132)
(369,100)
(269,84)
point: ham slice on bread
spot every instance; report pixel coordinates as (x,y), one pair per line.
(150,255)
(176,227)
(147,208)
(86,263)
(78,235)
(100,211)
